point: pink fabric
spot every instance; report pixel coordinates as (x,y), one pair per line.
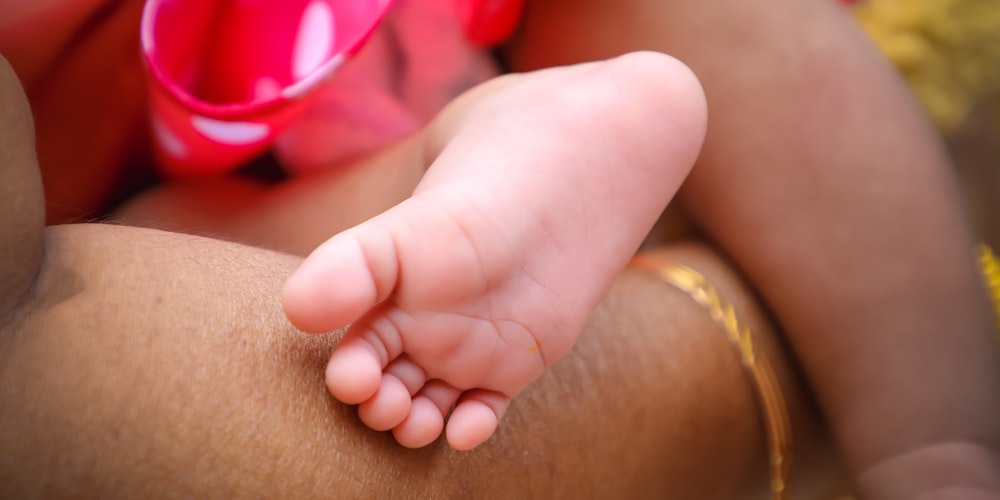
(416,62)
(232,78)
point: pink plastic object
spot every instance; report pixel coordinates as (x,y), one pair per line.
(228,76)
(490,22)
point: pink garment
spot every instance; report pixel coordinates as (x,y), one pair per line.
(416,62)
(322,81)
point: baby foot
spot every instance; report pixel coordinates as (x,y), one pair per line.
(443,293)
(465,293)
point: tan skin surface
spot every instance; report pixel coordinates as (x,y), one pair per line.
(176,375)
(156,364)
(20,193)
(828,187)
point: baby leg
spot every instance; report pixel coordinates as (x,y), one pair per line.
(540,188)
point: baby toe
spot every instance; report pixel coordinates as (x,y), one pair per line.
(422,426)
(388,407)
(425,422)
(401,380)
(354,373)
(475,418)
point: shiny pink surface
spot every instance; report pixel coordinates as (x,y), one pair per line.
(229,75)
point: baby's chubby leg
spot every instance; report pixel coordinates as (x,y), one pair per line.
(539,189)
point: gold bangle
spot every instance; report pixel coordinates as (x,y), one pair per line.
(989,266)
(755,362)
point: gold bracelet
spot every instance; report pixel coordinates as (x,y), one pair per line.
(989,266)
(755,362)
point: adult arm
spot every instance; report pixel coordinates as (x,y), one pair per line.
(159,364)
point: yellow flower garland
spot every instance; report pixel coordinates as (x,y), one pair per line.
(948,50)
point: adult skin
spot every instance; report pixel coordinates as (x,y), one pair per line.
(138,363)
